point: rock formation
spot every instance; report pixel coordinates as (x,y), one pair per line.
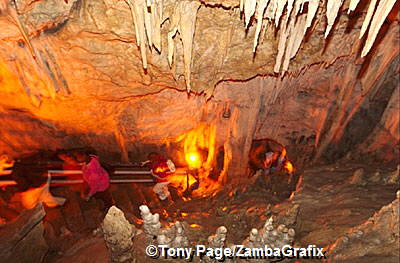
(118,234)
(21,241)
(378,235)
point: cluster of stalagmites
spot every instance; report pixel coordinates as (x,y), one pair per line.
(118,234)
(360,177)
(173,236)
(273,237)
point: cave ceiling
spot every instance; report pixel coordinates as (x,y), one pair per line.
(115,50)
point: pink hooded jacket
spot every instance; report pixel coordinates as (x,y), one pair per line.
(95,176)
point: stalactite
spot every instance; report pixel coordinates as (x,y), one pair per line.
(332,11)
(137,8)
(279,11)
(187,27)
(183,22)
(312,11)
(156,21)
(148,25)
(299,6)
(290,6)
(249,9)
(148,18)
(261,6)
(284,33)
(271,9)
(353,5)
(383,9)
(297,34)
(368,17)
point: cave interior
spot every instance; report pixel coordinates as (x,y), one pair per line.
(274,122)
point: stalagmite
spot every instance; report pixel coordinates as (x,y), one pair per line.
(218,240)
(383,9)
(353,5)
(332,11)
(180,239)
(270,236)
(368,17)
(118,233)
(151,222)
(262,5)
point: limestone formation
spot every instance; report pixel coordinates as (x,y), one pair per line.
(218,240)
(270,236)
(151,222)
(379,234)
(393,177)
(382,11)
(118,234)
(358,177)
(180,239)
(22,241)
(172,236)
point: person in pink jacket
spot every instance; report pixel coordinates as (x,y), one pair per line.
(97,180)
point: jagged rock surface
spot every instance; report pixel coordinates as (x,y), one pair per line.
(378,235)
(22,241)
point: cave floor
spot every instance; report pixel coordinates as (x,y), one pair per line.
(328,207)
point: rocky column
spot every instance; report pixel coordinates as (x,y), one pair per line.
(118,234)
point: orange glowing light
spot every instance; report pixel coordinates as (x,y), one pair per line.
(195,225)
(33,196)
(289,167)
(199,155)
(184,214)
(193,159)
(138,221)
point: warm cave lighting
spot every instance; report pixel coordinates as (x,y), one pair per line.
(240,131)
(289,167)
(194,160)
